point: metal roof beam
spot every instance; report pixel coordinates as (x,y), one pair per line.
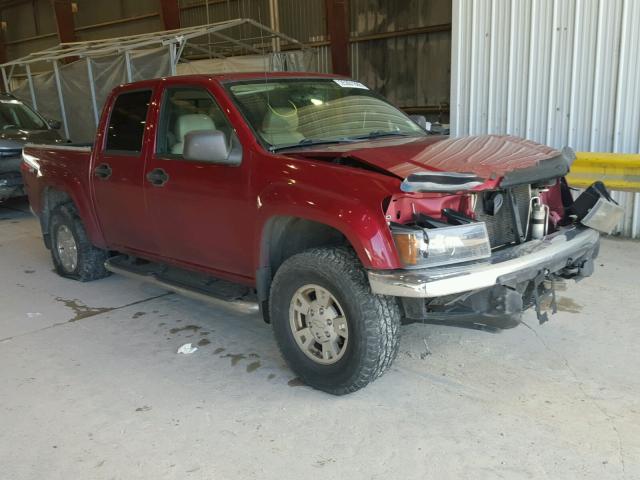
(180,36)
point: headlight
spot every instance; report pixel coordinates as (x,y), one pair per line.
(604,216)
(431,247)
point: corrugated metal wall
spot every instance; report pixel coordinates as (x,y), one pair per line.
(94,21)
(560,72)
(411,70)
(395,48)
(30,27)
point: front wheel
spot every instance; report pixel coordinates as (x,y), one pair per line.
(333,332)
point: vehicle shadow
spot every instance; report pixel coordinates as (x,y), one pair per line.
(14,208)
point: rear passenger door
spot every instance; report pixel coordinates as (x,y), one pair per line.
(118,174)
(201,210)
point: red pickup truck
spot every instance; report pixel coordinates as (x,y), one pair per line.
(315,199)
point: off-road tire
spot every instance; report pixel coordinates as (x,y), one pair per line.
(373,320)
(90,264)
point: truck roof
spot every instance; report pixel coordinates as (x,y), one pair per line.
(227,77)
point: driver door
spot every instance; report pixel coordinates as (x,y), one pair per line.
(202,211)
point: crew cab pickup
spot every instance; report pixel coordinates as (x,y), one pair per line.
(315,199)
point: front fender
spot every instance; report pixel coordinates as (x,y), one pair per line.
(358,217)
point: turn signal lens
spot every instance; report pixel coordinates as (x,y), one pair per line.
(432,247)
(411,246)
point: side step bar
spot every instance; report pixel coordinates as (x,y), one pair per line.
(161,276)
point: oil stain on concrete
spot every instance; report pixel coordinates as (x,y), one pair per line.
(566,304)
(203,342)
(192,328)
(81,310)
(253,366)
(235,357)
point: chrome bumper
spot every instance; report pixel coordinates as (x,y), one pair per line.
(519,263)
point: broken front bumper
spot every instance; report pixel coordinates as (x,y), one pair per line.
(493,293)
(568,249)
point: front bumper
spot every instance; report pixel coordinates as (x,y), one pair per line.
(11,185)
(565,250)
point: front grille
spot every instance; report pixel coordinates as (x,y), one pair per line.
(500,226)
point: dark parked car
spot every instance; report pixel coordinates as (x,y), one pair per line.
(19,125)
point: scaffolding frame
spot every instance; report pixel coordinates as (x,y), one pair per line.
(269,41)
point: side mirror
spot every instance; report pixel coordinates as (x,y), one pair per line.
(54,124)
(212,146)
(420,120)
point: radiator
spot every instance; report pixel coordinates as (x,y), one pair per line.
(500,226)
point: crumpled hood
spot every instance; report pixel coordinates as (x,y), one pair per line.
(487,156)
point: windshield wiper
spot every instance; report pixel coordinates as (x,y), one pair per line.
(379,134)
(306,142)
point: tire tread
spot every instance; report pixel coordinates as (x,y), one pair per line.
(380,314)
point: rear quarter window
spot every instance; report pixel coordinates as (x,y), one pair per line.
(127,121)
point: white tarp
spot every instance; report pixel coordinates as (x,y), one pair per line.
(111,71)
(108,72)
(273,62)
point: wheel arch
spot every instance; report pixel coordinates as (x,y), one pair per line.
(284,236)
(51,198)
(54,196)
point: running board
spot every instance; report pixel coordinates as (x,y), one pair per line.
(220,293)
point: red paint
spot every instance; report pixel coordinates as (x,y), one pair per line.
(488,156)
(553,198)
(211,217)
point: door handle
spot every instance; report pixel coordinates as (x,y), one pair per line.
(103,171)
(157,177)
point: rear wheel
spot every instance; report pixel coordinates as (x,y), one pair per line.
(73,254)
(333,332)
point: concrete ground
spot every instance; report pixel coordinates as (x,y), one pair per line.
(91,387)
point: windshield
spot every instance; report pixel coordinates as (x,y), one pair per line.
(14,115)
(287,113)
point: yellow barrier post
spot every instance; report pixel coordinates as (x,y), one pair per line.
(619,171)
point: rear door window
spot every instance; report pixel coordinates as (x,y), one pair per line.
(127,122)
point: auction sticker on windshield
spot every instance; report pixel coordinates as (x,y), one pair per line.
(350,84)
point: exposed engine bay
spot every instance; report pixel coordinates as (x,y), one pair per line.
(440,229)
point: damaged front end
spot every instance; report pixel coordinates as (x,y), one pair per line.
(480,252)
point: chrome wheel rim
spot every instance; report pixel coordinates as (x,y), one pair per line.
(319,324)
(67,248)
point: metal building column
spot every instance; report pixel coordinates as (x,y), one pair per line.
(170,14)
(3,58)
(274,23)
(64,20)
(338,29)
